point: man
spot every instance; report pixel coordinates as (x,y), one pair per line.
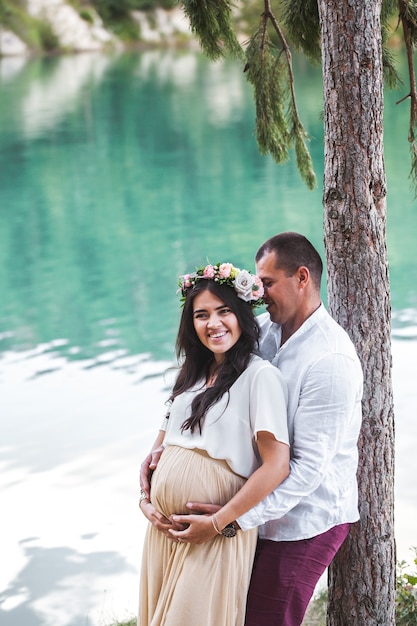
(304,521)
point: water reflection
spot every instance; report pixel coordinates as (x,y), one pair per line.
(56,92)
(10,67)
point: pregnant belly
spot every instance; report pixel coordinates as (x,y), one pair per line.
(184,475)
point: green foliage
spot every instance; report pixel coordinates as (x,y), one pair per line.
(389,10)
(116,15)
(304,162)
(278,126)
(413,169)
(37,34)
(409,13)
(211,22)
(269,65)
(408,18)
(116,9)
(268,75)
(317,610)
(268,69)
(391,76)
(406,605)
(47,38)
(86,16)
(301,18)
(406,599)
(8,14)
(6,6)
(148,5)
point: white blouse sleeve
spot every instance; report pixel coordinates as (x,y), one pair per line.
(268,402)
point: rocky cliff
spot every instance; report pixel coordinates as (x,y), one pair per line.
(74,33)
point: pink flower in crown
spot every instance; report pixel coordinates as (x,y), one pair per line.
(209,271)
(225,270)
(259,292)
(186,281)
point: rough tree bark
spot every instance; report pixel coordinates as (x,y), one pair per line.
(362,577)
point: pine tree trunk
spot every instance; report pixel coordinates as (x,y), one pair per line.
(362,577)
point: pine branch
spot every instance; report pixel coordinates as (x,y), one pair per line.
(413,170)
(297,135)
(267,78)
(388,8)
(210,21)
(408,15)
(391,76)
(269,70)
(408,12)
(304,161)
(301,18)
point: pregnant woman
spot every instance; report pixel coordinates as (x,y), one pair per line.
(225,441)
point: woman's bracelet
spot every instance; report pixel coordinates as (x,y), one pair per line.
(215,524)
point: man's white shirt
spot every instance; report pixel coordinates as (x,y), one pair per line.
(325,382)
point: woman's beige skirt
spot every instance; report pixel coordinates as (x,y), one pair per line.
(194,585)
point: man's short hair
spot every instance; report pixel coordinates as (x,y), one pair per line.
(292,251)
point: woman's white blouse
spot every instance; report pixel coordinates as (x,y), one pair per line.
(256,401)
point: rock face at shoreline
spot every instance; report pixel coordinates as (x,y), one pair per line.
(73,32)
(10,44)
(166,26)
(76,34)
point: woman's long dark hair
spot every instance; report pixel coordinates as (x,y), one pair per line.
(197,359)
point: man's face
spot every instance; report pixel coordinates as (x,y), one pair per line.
(282,293)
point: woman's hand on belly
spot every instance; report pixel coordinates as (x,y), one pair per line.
(159,521)
(199,529)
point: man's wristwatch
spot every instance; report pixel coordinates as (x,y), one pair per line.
(142,497)
(229,530)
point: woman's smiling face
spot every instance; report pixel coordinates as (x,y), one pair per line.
(216,325)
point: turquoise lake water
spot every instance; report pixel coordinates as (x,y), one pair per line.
(117,174)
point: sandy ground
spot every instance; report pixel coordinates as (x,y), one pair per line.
(71,441)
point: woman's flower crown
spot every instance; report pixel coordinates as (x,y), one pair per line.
(247,286)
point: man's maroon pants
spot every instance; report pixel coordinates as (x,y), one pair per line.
(285,574)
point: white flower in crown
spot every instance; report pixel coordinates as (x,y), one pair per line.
(243,285)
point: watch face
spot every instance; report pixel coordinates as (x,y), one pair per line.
(229,531)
